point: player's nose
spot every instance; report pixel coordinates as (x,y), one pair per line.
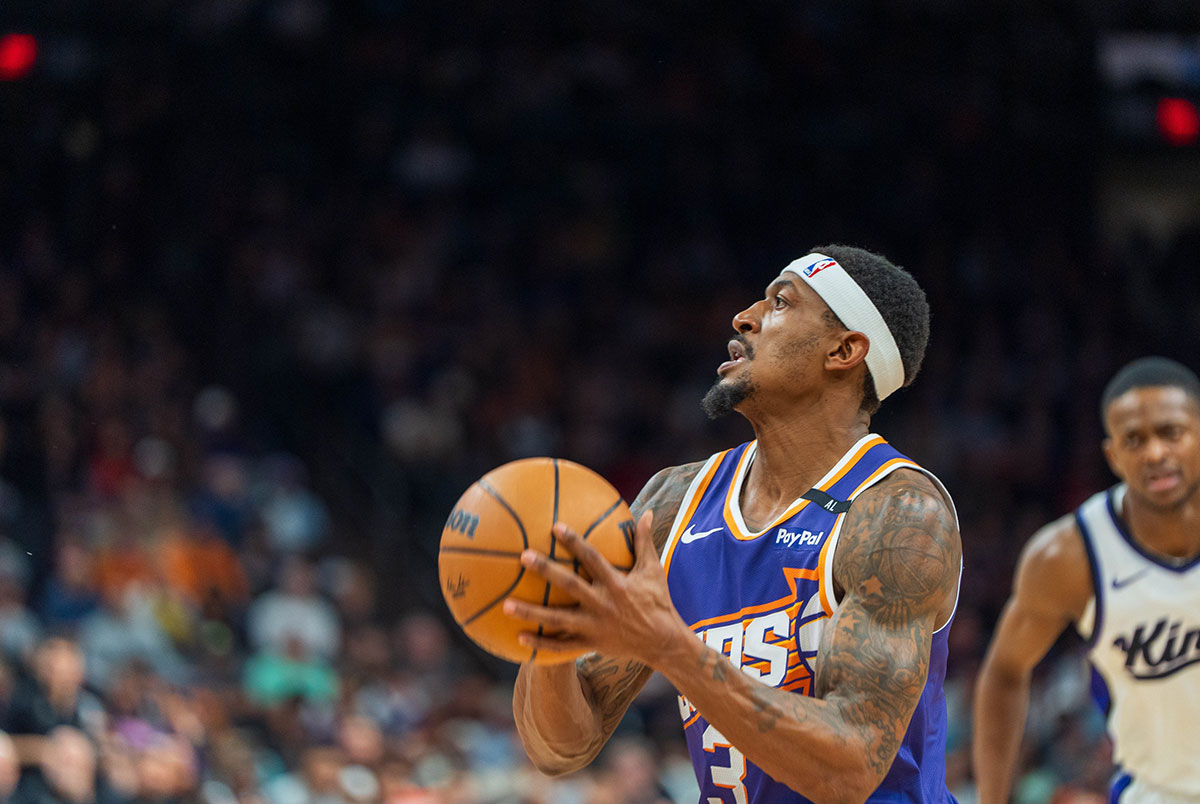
(1156,451)
(747,320)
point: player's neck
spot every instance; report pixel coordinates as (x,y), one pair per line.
(1174,534)
(791,456)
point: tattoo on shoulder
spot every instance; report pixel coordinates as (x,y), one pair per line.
(897,564)
(663,495)
(899,549)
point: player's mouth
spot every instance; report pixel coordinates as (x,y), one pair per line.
(739,352)
(1160,482)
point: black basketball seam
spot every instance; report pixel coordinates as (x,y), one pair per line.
(553,543)
(554,510)
(481,551)
(486,553)
(592,527)
(486,487)
(495,600)
(525,540)
(600,519)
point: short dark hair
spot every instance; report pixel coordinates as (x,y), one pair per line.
(1149,372)
(899,300)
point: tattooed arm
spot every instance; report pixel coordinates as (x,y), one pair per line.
(897,567)
(565,713)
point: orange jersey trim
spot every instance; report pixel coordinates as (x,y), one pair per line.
(886,468)
(823,563)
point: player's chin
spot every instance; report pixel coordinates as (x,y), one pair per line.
(723,398)
(1170,499)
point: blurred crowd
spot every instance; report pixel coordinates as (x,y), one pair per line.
(280,278)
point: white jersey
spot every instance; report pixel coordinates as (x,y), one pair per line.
(1143,631)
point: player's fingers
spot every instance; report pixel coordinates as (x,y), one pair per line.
(556,618)
(643,539)
(589,557)
(557,575)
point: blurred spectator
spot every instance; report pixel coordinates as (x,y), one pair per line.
(49,696)
(126,629)
(294,611)
(317,781)
(20,629)
(629,775)
(68,771)
(122,560)
(203,571)
(69,594)
(296,519)
(10,767)
(277,675)
(361,741)
(352,587)
(222,500)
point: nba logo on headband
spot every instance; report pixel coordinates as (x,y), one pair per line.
(817,267)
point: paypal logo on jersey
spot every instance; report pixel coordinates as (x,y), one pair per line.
(788,538)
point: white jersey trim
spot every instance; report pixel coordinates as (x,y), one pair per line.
(827,578)
(686,505)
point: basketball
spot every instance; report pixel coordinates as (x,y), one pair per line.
(506,511)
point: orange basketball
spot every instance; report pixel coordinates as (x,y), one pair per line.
(512,508)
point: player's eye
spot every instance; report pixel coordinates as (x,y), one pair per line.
(778,301)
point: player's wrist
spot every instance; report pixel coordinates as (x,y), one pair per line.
(678,653)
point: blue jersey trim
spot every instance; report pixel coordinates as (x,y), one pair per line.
(1097,586)
(1100,693)
(1120,783)
(1123,529)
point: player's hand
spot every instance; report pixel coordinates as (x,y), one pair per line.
(618,614)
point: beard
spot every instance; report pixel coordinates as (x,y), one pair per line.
(724,397)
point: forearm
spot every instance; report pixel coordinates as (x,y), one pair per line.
(767,724)
(558,726)
(1001,703)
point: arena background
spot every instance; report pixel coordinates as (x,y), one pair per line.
(280,278)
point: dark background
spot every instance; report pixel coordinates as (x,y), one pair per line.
(279,279)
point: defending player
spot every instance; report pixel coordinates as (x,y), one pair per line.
(1124,569)
(807,579)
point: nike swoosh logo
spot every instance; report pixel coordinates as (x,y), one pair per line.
(688,537)
(1121,583)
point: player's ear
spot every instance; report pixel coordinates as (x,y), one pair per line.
(1110,455)
(847,351)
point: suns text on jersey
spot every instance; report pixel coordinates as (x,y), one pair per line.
(775,647)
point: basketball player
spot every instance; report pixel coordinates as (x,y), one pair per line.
(1125,570)
(797,589)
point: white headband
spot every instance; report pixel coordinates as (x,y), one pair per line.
(850,304)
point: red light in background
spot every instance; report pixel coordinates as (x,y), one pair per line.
(18,52)
(1178,121)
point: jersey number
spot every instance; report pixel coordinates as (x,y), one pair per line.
(728,776)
